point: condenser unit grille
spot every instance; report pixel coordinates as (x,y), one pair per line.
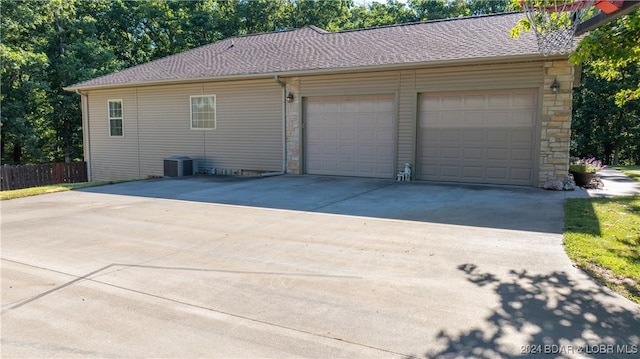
(178,166)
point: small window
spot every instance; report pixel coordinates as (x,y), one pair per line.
(115,118)
(203,112)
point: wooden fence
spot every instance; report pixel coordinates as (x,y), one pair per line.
(25,176)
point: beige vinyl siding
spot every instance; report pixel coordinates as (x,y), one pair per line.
(157,125)
(165,125)
(113,157)
(249,119)
(407,125)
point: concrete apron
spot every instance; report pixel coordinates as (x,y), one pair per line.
(105,273)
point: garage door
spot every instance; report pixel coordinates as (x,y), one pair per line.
(350,136)
(481,137)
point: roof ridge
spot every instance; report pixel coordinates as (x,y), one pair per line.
(428,22)
(317,29)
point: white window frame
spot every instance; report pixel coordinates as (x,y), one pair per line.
(202,120)
(116,118)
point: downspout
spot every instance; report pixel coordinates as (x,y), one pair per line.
(88,144)
(284,129)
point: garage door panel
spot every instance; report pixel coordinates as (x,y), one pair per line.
(499,136)
(525,155)
(429,153)
(496,173)
(522,137)
(499,100)
(385,136)
(473,172)
(449,172)
(523,118)
(450,153)
(498,118)
(501,154)
(330,135)
(448,135)
(347,150)
(523,100)
(385,153)
(451,101)
(478,136)
(474,136)
(363,130)
(367,151)
(473,102)
(471,119)
(348,135)
(451,119)
(474,153)
(522,174)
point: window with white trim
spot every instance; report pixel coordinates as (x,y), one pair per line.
(203,112)
(115,118)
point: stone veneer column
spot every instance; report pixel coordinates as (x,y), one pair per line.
(294,127)
(555,126)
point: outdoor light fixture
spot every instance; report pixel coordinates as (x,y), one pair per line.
(290,97)
(555,86)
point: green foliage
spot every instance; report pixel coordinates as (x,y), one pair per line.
(610,50)
(380,14)
(606,118)
(49,44)
(443,9)
(585,165)
(602,236)
(602,127)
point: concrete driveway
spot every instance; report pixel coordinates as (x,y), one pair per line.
(300,266)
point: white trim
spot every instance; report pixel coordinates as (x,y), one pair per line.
(215,113)
(121,118)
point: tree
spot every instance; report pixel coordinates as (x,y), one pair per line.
(438,9)
(483,7)
(610,49)
(331,15)
(602,127)
(378,14)
(74,54)
(607,104)
(49,44)
(24,87)
(260,16)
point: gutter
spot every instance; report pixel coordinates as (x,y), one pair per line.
(282,84)
(88,144)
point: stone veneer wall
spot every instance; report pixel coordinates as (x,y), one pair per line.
(293,127)
(555,125)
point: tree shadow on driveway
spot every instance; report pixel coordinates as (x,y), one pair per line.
(551,314)
(504,207)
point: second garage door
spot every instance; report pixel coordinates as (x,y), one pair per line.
(481,137)
(350,136)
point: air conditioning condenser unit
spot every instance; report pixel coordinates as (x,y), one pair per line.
(178,166)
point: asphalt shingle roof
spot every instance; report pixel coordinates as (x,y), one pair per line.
(312,49)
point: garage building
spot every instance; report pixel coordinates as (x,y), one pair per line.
(459,99)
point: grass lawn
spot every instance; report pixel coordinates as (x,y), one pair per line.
(631,171)
(602,236)
(34,191)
